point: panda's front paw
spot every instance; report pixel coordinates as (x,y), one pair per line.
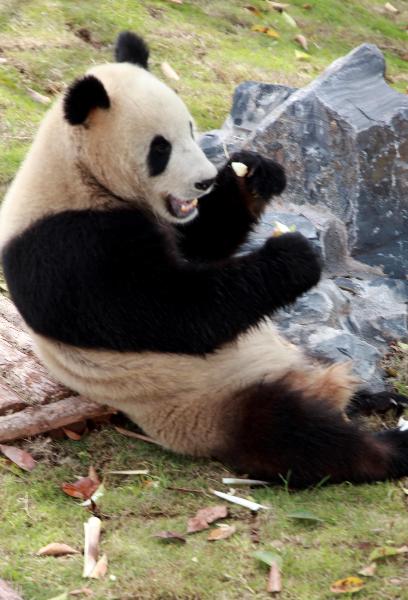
(262,177)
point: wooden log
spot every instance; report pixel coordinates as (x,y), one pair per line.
(40,419)
(9,400)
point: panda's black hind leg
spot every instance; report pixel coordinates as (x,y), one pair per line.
(273,431)
(365,403)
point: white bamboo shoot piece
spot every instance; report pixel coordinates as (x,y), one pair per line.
(92,529)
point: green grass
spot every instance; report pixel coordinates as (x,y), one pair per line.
(211,45)
(34,512)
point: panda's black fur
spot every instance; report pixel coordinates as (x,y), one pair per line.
(119,283)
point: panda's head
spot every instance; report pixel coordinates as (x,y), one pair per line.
(134,136)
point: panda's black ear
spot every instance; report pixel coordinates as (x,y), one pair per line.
(82,96)
(131,48)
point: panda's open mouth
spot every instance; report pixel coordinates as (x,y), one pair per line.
(181,209)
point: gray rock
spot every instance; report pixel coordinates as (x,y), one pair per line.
(343,142)
(340,346)
(251,103)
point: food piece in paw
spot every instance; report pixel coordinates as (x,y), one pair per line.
(239,169)
(280,229)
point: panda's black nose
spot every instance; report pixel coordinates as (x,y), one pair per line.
(205,184)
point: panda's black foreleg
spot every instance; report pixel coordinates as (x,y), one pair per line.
(232,208)
(277,433)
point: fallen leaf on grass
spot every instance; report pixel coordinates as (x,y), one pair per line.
(169,72)
(37,97)
(72,435)
(175,1)
(391,8)
(82,591)
(19,457)
(267,557)
(279,6)
(254,506)
(267,30)
(136,436)
(274,562)
(274,579)
(222,532)
(369,570)
(96,496)
(289,19)
(304,515)
(100,569)
(205,516)
(84,487)
(170,536)
(254,10)
(301,55)
(302,41)
(307,6)
(92,530)
(349,585)
(56,549)
(386,551)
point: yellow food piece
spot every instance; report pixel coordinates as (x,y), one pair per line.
(239,169)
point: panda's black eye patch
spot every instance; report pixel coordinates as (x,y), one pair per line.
(159,155)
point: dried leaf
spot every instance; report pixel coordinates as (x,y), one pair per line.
(19,457)
(369,570)
(205,516)
(272,33)
(386,551)
(274,579)
(101,568)
(240,501)
(302,55)
(302,41)
(92,530)
(169,72)
(279,6)
(349,585)
(304,515)
(170,536)
(56,549)
(222,532)
(82,591)
(307,6)
(254,10)
(259,28)
(37,97)
(84,487)
(136,436)
(72,435)
(289,20)
(175,1)
(391,8)
(95,497)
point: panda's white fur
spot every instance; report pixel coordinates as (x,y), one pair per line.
(182,400)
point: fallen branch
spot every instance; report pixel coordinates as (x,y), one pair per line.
(40,419)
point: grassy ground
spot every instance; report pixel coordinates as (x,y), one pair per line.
(210,44)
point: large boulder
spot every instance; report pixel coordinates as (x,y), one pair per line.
(343,140)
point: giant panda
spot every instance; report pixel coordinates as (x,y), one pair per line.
(119,240)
